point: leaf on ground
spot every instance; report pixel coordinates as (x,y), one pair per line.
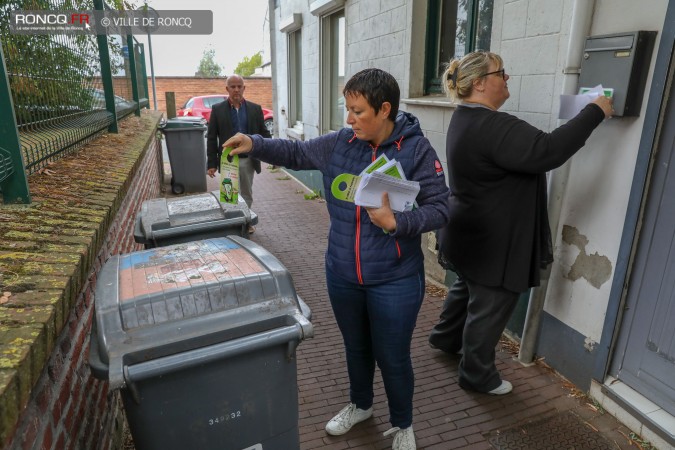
(435,291)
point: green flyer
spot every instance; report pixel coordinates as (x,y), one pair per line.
(229,177)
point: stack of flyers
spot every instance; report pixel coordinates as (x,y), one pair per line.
(382,175)
(385,165)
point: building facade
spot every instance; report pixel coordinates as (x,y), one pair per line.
(604,316)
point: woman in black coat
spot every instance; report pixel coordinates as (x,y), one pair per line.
(498,237)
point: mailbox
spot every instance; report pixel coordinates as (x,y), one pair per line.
(620,62)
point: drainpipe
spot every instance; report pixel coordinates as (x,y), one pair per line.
(272,16)
(582,14)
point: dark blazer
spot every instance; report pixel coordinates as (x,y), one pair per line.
(220,130)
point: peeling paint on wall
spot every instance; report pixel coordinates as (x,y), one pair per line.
(595,268)
(589,344)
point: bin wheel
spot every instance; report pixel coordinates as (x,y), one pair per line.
(177,188)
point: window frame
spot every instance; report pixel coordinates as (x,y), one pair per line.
(327,62)
(295,78)
(432,82)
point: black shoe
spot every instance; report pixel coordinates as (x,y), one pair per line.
(459,352)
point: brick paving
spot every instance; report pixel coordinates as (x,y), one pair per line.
(445,416)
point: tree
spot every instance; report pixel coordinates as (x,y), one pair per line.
(208,66)
(53,75)
(248,65)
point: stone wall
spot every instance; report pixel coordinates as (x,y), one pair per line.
(82,212)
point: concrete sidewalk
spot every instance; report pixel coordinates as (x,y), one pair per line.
(543,411)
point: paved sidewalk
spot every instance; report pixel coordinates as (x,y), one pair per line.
(445,416)
(543,411)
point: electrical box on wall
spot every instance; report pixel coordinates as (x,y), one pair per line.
(620,62)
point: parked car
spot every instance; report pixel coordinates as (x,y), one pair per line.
(98,100)
(83,101)
(200,106)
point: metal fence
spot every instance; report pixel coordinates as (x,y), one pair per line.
(63,90)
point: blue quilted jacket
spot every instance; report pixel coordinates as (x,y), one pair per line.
(357,250)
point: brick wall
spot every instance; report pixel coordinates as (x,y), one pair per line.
(258,89)
(48,398)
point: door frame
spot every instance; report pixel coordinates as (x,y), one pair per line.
(630,233)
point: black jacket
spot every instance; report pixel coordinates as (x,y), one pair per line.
(220,130)
(498,233)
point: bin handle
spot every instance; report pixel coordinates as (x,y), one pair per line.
(200,227)
(223,350)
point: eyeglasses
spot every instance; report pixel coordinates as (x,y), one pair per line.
(502,73)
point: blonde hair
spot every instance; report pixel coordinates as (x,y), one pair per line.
(459,75)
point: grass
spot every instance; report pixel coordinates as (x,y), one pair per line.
(314,195)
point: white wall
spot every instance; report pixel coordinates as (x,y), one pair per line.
(310,67)
(597,195)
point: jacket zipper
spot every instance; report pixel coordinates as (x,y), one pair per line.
(357,244)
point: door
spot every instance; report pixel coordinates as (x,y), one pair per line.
(645,351)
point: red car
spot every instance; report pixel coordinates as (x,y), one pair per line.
(201,105)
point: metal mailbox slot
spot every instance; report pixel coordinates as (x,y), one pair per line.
(621,62)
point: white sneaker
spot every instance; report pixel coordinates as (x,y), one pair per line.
(404,439)
(502,389)
(346,419)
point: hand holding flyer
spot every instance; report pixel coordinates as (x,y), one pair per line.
(382,175)
(402,193)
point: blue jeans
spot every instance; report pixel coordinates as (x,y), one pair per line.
(377,323)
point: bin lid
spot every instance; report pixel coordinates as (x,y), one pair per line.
(162,218)
(168,300)
(183,123)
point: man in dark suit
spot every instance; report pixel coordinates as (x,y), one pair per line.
(235,115)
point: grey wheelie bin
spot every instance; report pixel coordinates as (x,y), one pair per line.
(200,339)
(186,146)
(163,221)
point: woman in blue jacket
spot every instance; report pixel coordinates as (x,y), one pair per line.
(374,260)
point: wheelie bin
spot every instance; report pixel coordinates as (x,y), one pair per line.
(200,338)
(186,146)
(167,221)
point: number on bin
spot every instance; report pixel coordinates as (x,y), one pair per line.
(227,417)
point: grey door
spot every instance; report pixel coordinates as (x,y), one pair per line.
(645,351)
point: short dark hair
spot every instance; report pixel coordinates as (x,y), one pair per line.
(377,87)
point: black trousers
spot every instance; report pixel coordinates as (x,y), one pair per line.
(473,319)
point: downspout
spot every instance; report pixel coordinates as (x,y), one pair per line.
(273,52)
(582,15)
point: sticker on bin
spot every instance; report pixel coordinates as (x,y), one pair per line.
(190,265)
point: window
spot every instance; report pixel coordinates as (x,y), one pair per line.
(294,77)
(333,71)
(210,101)
(454,28)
